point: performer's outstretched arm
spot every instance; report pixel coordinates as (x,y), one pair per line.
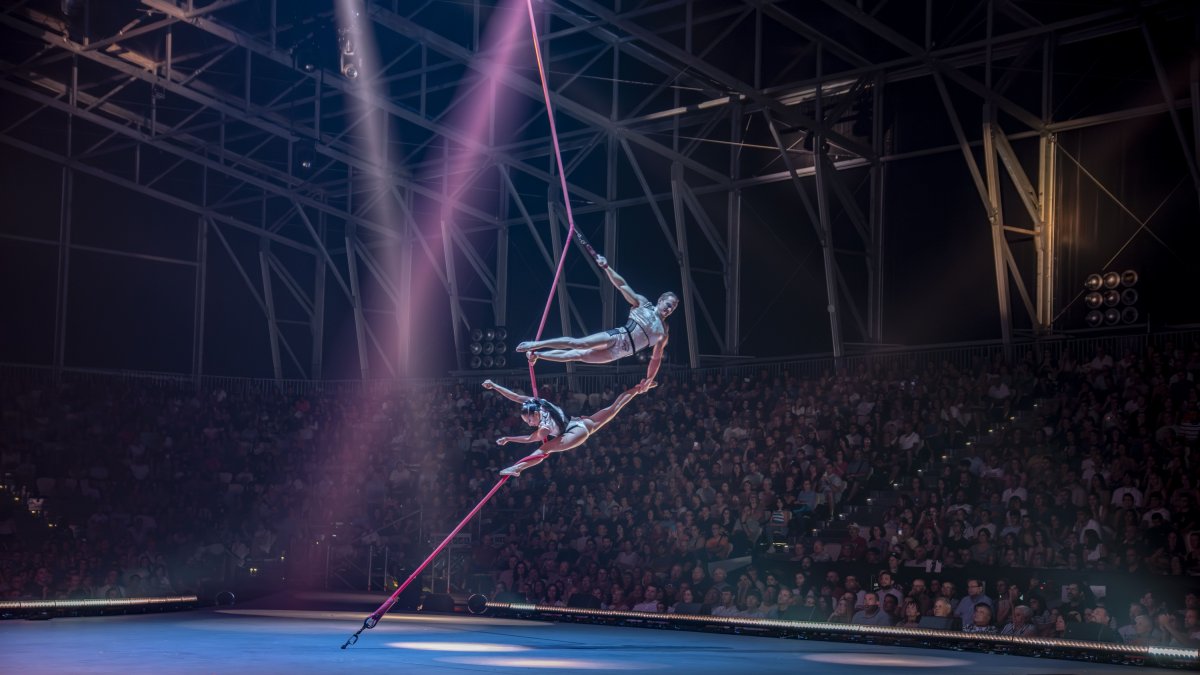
(537,436)
(505,392)
(656,357)
(617,280)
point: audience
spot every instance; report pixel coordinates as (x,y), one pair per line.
(120,487)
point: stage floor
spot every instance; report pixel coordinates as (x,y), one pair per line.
(301,641)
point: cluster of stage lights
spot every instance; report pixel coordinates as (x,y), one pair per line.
(488,348)
(1111,298)
(1191,657)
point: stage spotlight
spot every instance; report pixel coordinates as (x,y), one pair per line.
(501,347)
(1111,298)
(477,604)
(1094,318)
(489,362)
(349,69)
(1129,296)
(304,153)
(501,361)
(1093,282)
(1111,279)
(489,334)
(1129,278)
(1093,300)
(476,335)
(476,362)
(1129,315)
(501,333)
(489,348)
(1112,316)
(476,348)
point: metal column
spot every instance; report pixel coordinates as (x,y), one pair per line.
(689,292)
(733,241)
(200,292)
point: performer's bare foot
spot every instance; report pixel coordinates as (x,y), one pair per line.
(526,346)
(510,471)
(532,356)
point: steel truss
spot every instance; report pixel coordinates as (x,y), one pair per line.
(675,109)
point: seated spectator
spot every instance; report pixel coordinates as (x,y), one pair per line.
(843,612)
(1021,624)
(687,600)
(891,607)
(807,610)
(649,601)
(727,606)
(871,613)
(912,615)
(975,596)
(1143,632)
(1040,617)
(754,608)
(1094,628)
(981,621)
(1182,634)
(943,617)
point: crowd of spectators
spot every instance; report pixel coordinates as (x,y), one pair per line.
(1078,463)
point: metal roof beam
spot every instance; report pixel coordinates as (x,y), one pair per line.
(733,84)
(335,81)
(584,113)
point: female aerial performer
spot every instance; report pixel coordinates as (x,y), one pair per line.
(646,327)
(555,431)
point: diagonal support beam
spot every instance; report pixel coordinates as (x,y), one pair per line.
(1164,84)
(262,305)
(995,207)
(965,146)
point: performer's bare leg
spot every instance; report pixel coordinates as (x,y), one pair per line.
(600,354)
(533,460)
(588,342)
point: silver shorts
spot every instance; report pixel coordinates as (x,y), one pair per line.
(621,344)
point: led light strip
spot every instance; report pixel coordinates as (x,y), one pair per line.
(1191,655)
(97,603)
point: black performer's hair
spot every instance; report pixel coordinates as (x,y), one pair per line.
(536,405)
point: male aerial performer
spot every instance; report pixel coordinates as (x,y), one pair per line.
(646,327)
(555,431)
